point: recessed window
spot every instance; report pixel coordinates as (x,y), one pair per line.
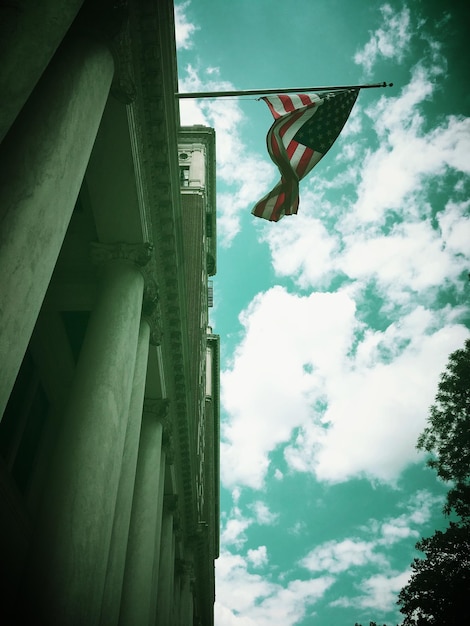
(184,175)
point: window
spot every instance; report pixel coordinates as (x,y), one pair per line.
(184,175)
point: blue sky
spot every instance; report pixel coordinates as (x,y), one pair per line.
(336,323)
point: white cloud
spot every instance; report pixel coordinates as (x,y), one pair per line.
(356,398)
(303,246)
(408,154)
(258,557)
(266,392)
(373,551)
(262,514)
(339,556)
(233,532)
(379,592)
(344,224)
(419,510)
(378,403)
(247,599)
(184,29)
(236,523)
(297,529)
(390,41)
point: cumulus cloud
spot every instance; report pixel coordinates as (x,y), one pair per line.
(373,540)
(233,528)
(389,41)
(338,556)
(262,513)
(184,29)
(379,592)
(341,399)
(352,236)
(247,599)
(408,154)
(266,391)
(258,557)
(377,404)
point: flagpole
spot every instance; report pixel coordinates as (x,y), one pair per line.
(261,92)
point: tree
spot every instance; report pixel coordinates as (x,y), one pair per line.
(447,435)
(437,593)
(370,624)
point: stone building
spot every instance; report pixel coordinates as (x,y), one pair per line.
(109,391)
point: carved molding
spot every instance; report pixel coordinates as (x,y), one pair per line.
(117,26)
(156,121)
(159,407)
(151,309)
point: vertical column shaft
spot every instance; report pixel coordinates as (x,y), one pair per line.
(186,596)
(42,164)
(166,569)
(122,515)
(138,600)
(70,552)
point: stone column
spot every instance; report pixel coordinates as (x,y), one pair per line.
(177,595)
(70,550)
(138,600)
(42,164)
(30,33)
(167,563)
(186,594)
(122,515)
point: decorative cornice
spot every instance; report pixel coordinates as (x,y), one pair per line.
(155,114)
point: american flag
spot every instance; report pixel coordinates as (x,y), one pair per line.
(304,129)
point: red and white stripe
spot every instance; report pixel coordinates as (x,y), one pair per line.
(293,159)
(281,104)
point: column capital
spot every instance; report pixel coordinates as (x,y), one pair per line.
(137,253)
(159,407)
(151,309)
(123,87)
(109,22)
(141,255)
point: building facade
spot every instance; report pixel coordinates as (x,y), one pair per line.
(109,392)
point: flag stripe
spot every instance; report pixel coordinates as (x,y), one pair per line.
(305,127)
(282,104)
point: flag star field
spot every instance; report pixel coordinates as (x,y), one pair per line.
(337,321)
